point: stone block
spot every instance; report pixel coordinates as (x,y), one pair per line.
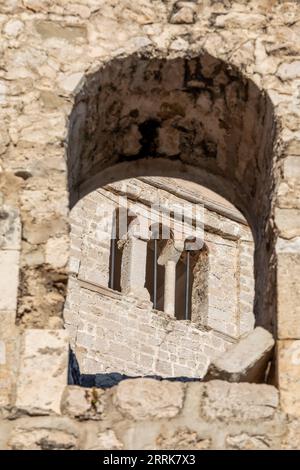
(291,439)
(245,361)
(288,295)
(147,398)
(238,402)
(292,148)
(45,435)
(291,167)
(236,19)
(246,441)
(288,222)
(57,251)
(43,371)
(2,352)
(83,403)
(8,354)
(10,228)
(107,440)
(182,439)
(289,70)
(51,29)
(288,357)
(9,279)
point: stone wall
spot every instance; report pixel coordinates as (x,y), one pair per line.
(114,333)
(10,246)
(111,332)
(155,415)
(136,414)
(52,53)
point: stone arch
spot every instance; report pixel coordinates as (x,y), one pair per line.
(195,117)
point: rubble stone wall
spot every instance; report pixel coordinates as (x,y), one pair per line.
(141,413)
(66,88)
(151,414)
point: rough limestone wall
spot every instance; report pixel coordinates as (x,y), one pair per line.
(47,47)
(137,413)
(152,415)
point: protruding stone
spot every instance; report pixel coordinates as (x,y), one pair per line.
(148,398)
(43,371)
(292,167)
(245,361)
(57,251)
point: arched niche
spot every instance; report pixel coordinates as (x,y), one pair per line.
(193,117)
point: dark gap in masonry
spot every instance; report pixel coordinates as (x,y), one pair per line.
(110,379)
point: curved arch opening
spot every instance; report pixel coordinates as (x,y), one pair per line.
(195,118)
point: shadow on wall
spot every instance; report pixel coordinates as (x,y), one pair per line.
(110,379)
